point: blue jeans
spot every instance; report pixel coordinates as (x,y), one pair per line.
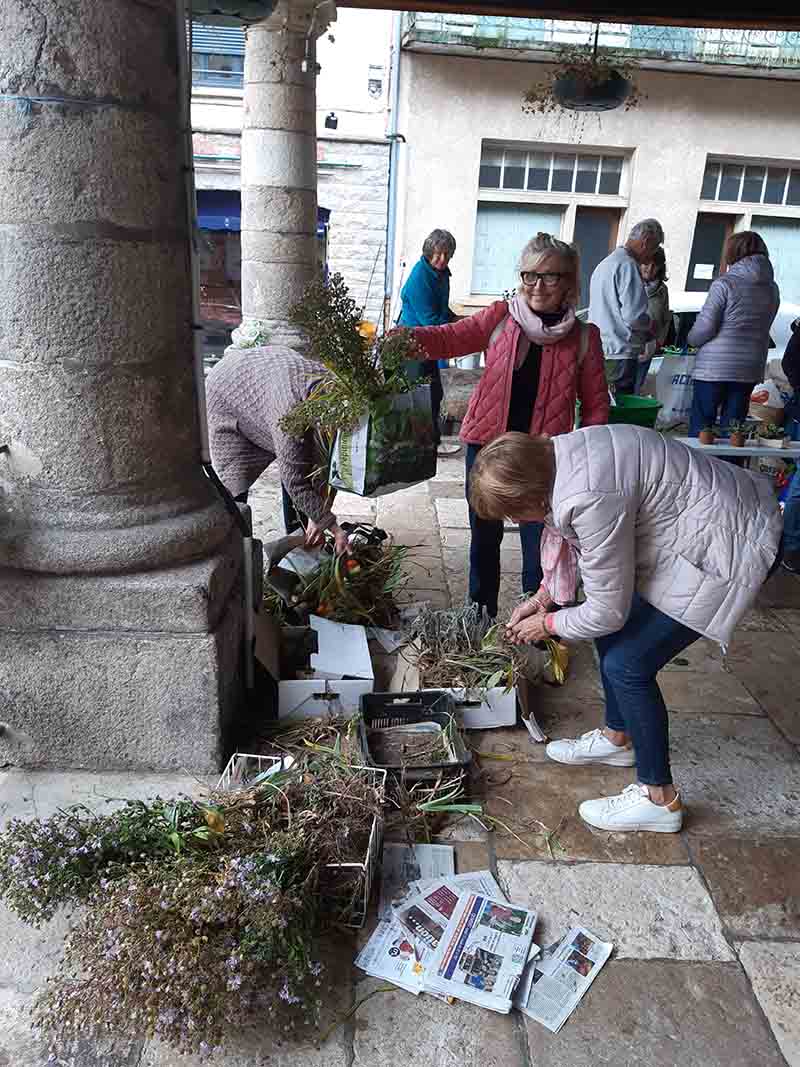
(484,553)
(629,662)
(730,399)
(791,515)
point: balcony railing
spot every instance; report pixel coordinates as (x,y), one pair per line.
(756,49)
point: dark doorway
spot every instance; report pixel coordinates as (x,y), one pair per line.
(596,230)
(710,233)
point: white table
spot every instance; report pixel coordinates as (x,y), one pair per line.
(791,452)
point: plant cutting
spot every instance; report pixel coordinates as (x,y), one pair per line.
(770,435)
(360,589)
(585,79)
(707,435)
(200,917)
(738,434)
(373,422)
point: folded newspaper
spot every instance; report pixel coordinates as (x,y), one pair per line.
(482,953)
(553,986)
(391,953)
(429,906)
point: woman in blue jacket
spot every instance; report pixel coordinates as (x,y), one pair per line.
(426,302)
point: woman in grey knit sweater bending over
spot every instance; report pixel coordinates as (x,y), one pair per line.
(248,393)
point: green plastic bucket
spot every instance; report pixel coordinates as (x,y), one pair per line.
(634,410)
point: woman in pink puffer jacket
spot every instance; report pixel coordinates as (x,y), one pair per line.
(539,361)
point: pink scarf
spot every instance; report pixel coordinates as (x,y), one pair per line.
(533,330)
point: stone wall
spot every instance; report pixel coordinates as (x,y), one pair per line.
(352,182)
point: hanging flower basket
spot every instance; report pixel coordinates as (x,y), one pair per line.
(575,92)
(585,79)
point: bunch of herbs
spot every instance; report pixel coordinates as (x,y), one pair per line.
(464,649)
(199,916)
(362,374)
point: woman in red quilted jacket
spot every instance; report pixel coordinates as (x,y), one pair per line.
(539,361)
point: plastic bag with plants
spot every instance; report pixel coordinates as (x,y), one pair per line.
(375,421)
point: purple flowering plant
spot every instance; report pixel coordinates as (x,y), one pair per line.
(198,918)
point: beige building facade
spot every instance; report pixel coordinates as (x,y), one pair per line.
(709,149)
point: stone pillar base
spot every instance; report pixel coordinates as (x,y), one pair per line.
(128,672)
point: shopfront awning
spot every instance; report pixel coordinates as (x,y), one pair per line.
(221,209)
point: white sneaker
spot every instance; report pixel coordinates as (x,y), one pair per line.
(593,747)
(633,809)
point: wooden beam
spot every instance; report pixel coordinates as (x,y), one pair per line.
(714,14)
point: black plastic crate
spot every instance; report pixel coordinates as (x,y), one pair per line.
(385,711)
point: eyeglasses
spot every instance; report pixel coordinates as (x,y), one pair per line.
(548,280)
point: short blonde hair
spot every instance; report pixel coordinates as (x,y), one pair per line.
(512,473)
(544,244)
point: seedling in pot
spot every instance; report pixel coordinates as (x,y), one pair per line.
(738,434)
(772,435)
(707,435)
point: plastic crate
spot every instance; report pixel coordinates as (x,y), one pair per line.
(634,410)
(385,711)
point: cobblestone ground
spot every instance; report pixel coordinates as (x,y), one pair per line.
(706,923)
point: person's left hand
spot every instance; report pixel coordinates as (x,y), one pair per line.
(314,535)
(529,631)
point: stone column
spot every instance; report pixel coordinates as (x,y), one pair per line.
(119,630)
(279,170)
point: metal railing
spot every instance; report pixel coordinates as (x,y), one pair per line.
(759,49)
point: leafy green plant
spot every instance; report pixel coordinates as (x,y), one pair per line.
(362,375)
(770,431)
(198,915)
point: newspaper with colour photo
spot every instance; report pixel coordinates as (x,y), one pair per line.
(402,864)
(483,952)
(426,914)
(553,985)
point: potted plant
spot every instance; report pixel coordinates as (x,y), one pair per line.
(738,434)
(771,436)
(585,79)
(707,435)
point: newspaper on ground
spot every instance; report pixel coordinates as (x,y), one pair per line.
(552,986)
(392,955)
(426,913)
(483,952)
(402,864)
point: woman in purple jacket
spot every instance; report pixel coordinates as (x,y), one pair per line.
(732,333)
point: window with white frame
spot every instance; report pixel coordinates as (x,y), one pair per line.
(751,183)
(531,170)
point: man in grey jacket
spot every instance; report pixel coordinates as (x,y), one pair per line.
(618,304)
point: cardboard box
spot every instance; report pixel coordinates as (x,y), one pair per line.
(396,673)
(336,653)
(476,710)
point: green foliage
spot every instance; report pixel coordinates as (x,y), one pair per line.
(198,915)
(586,65)
(361,375)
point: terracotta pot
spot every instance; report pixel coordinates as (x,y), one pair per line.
(737,440)
(707,437)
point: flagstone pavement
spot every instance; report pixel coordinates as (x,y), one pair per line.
(705,923)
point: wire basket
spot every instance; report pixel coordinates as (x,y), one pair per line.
(346,886)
